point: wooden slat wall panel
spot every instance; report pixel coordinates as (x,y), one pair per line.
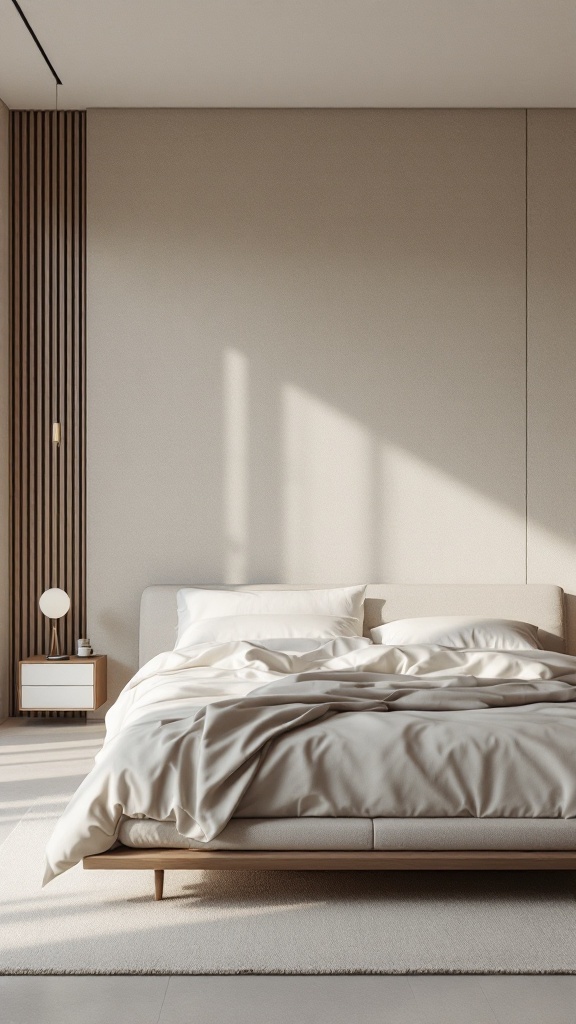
(48,320)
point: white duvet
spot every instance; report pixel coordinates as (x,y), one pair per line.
(234,730)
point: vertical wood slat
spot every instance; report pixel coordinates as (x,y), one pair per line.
(48,342)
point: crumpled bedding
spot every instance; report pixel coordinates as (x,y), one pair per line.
(350,729)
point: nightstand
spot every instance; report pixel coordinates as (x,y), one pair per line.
(78,684)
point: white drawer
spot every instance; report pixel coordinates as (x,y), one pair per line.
(57,697)
(64,674)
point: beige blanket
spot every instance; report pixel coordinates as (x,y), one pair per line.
(357,730)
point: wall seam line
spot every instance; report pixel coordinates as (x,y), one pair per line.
(526,345)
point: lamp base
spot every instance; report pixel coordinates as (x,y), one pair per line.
(54,652)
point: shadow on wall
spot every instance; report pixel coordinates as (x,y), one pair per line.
(317,325)
(332,476)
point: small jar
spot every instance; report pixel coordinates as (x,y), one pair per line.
(84,649)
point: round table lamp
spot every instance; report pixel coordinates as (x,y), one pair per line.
(54,603)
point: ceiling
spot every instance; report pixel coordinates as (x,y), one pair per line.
(290,53)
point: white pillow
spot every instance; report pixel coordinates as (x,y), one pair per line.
(194,604)
(267,627)
(459,631)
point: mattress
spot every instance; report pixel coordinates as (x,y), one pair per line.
(362,834)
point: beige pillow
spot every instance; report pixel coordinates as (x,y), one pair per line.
(459,631)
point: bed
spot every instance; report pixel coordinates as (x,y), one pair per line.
(528,737)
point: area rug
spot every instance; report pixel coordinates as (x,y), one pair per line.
(277,922)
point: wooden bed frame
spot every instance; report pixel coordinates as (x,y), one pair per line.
(159,861)
(536,603)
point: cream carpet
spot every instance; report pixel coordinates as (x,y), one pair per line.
(277,922)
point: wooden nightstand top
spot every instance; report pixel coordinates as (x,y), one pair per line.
(72,659)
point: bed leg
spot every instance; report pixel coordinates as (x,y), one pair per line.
(158,884)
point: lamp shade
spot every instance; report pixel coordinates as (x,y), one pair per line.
(54,603)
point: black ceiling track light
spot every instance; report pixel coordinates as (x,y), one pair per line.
(37,41)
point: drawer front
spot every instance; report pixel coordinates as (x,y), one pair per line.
(73,698)
(63,674)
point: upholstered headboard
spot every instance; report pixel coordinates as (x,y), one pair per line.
(539,604)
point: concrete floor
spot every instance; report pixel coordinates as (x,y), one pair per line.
(279,1000)
(35,757)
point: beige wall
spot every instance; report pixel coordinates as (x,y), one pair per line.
(552,351)
(306,352)
(4,410)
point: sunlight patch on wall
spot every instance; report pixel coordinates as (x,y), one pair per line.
(435,528)
(236,459)
(357,507)
(327,484)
